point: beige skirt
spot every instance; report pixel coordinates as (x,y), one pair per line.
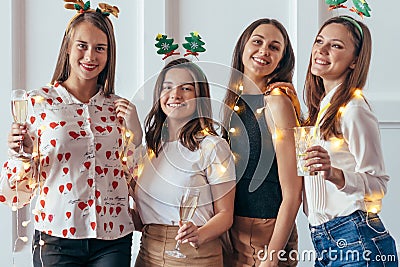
(156,239)
(250,235)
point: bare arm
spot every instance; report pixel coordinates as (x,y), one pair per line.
(281,115)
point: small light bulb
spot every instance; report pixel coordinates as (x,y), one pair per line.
(374,210)
(25,223)
(259,110)
(24,238)
(235,108)
(128,134)
(14,208)
(41,242)
(358,93)
(241,88)
(232,130)
(124,159)
(341,109)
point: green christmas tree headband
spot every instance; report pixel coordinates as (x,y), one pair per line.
(360,6)
(194,45)
(81,7)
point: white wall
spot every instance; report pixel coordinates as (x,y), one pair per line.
(32,32)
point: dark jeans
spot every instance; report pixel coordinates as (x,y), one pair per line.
(354,240)
(63,252)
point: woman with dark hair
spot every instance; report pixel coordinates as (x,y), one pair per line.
(342,204)
(80,138)
(261,110)
(183,151)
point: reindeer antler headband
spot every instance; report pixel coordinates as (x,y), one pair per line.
(82,7)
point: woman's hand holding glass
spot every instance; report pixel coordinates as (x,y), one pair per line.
(19,139)
(188,232)
(318,160)
(187,207)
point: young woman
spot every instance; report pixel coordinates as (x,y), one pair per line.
(343,203)
(183,151)
(80,158)
(262,110)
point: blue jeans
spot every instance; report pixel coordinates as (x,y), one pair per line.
(354,240)
(63,252)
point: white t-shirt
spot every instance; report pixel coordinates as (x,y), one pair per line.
(359,155)
(163,179)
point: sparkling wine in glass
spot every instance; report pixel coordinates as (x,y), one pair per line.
(19,109)
(187,208)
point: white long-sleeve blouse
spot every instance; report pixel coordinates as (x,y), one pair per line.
(359,155)
(76,168)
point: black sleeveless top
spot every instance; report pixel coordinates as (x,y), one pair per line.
(258,192)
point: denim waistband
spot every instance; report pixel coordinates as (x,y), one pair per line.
(357,216)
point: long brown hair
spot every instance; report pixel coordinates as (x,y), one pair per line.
(107,76)
(282,73)
(191,133)
(356,78)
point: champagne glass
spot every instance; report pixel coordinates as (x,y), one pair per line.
(305,137)
(187,208)
(19,109)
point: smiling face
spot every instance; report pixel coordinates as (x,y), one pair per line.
(263,52)
(87,52)
(333,54)
(178,96)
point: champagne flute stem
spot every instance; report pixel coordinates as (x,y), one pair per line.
(21,147)
(178,244)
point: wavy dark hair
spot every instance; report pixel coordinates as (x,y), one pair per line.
(191,133)
(107,76)
(356,78)
(283,72)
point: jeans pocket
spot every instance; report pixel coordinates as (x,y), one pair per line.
(387,254)
(345,234)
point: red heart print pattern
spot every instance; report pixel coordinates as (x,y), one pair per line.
(73,134)
(87,164)
(50,217)
(72,230)
(93,225)
(82,205)
(98,146)
(68,214)
(118,210)
(45,190)
(69,186)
